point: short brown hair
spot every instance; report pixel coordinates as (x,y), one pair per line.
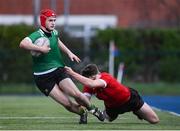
(90,70)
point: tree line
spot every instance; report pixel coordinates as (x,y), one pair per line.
(149,55)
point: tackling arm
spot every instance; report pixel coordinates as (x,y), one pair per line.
(84,80)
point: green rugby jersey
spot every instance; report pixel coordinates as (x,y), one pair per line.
(53,58)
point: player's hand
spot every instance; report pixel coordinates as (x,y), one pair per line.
(68,69)
(45,49)
(74,57)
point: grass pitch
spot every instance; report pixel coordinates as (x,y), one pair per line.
(42,113)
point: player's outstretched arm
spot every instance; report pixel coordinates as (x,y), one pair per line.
(71,55)
(84,80)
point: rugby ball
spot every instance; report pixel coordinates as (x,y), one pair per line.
(40,42)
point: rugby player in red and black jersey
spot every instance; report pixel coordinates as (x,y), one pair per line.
(117,97)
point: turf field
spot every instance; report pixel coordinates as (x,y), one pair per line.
(42,113)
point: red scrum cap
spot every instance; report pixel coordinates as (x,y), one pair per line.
(44,14)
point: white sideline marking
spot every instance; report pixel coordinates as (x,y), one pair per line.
(36,117)
(45,117)
(171,112)
(65,117)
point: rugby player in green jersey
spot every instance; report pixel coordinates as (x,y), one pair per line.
(49,73)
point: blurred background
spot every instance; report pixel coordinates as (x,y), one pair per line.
(143,35)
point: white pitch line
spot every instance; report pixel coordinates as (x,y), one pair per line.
(25,117)
(45,117)
(65,117)
(171,112)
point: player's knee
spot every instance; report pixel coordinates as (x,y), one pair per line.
(154,120)
(78,95)
(67,106)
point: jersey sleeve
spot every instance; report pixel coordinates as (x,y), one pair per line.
(34,36)
(106,78)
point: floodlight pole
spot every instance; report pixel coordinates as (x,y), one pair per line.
(66,14)
(111,57)
(53,5)
(36,6)
(87,37)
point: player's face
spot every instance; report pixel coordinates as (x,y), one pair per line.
(50,23)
